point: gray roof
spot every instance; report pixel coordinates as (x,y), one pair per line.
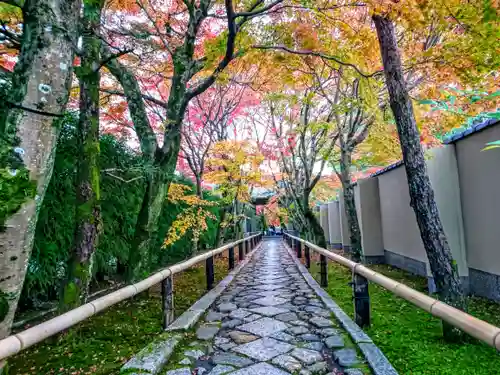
(473,129)
(451,139)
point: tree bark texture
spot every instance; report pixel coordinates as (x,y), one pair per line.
(40,87)
(350,205)
(88,175)
(421,193)
(315,227)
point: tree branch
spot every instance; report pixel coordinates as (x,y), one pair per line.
(149,98)
(321,55)
(112,57)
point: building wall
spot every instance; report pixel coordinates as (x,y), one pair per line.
(323,219)
(334,224)
(344,226)
(400,232)
(369,215)
(479,175)
(401,235)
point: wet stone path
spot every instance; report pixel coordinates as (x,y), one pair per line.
(269,322)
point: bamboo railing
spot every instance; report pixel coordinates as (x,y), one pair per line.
(475,327)
(20,341)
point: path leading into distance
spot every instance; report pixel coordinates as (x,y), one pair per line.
(269,322)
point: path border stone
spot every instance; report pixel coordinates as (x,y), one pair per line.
(152,358)
(377,361)
(191,316)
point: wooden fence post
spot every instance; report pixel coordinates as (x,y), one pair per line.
(323,271)
(209,269)
(231,258)
(308,256)
(361,300)
(167,297)
(299,249)
(240,252)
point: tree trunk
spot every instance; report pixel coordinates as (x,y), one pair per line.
(315,227)
(421,193)
(88,175)
(350,204)
(199,190)
(218,234)
(147,225)
(41,82)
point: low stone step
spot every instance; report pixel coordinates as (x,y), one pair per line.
(152,358)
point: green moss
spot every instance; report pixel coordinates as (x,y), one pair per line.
(411,338)
(4,305)
(70,293)
(103,343)
(14,191)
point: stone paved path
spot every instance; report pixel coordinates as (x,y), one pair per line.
(269,322)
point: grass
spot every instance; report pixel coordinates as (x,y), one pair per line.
(103,343)
(410,337)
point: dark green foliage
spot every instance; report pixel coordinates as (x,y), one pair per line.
(122,189)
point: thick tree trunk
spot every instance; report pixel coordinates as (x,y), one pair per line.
(315,227)
(199,190)
(88,175)
(360,283)
(41,82)
(421,193)
(147,225)
(350,205)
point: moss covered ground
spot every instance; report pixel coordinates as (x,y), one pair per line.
(410,337)
(103,343)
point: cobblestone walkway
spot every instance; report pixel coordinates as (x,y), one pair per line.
(269,322)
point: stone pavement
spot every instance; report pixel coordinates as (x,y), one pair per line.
(269,322)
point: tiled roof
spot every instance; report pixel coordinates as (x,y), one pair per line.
(455,137)
(473,129)
(388,168)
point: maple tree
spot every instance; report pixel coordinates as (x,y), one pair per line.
(209,118)
(195,54)
(234,167)
(193,218)
(163,75)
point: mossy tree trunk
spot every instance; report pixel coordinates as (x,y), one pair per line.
(350,204)
(185,66)
(88,175)
(37,97)
(420,189)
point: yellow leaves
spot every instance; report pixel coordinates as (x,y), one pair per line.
(177,194)
(192,218)
(234,166)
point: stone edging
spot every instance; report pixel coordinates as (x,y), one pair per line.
(377,361)
(152,358)
(191,316)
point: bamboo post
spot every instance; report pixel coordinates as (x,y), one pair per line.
(361,300)
(167,294)
(240,251)
(209,269)
(323,271)
(231,258)
(308,256)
